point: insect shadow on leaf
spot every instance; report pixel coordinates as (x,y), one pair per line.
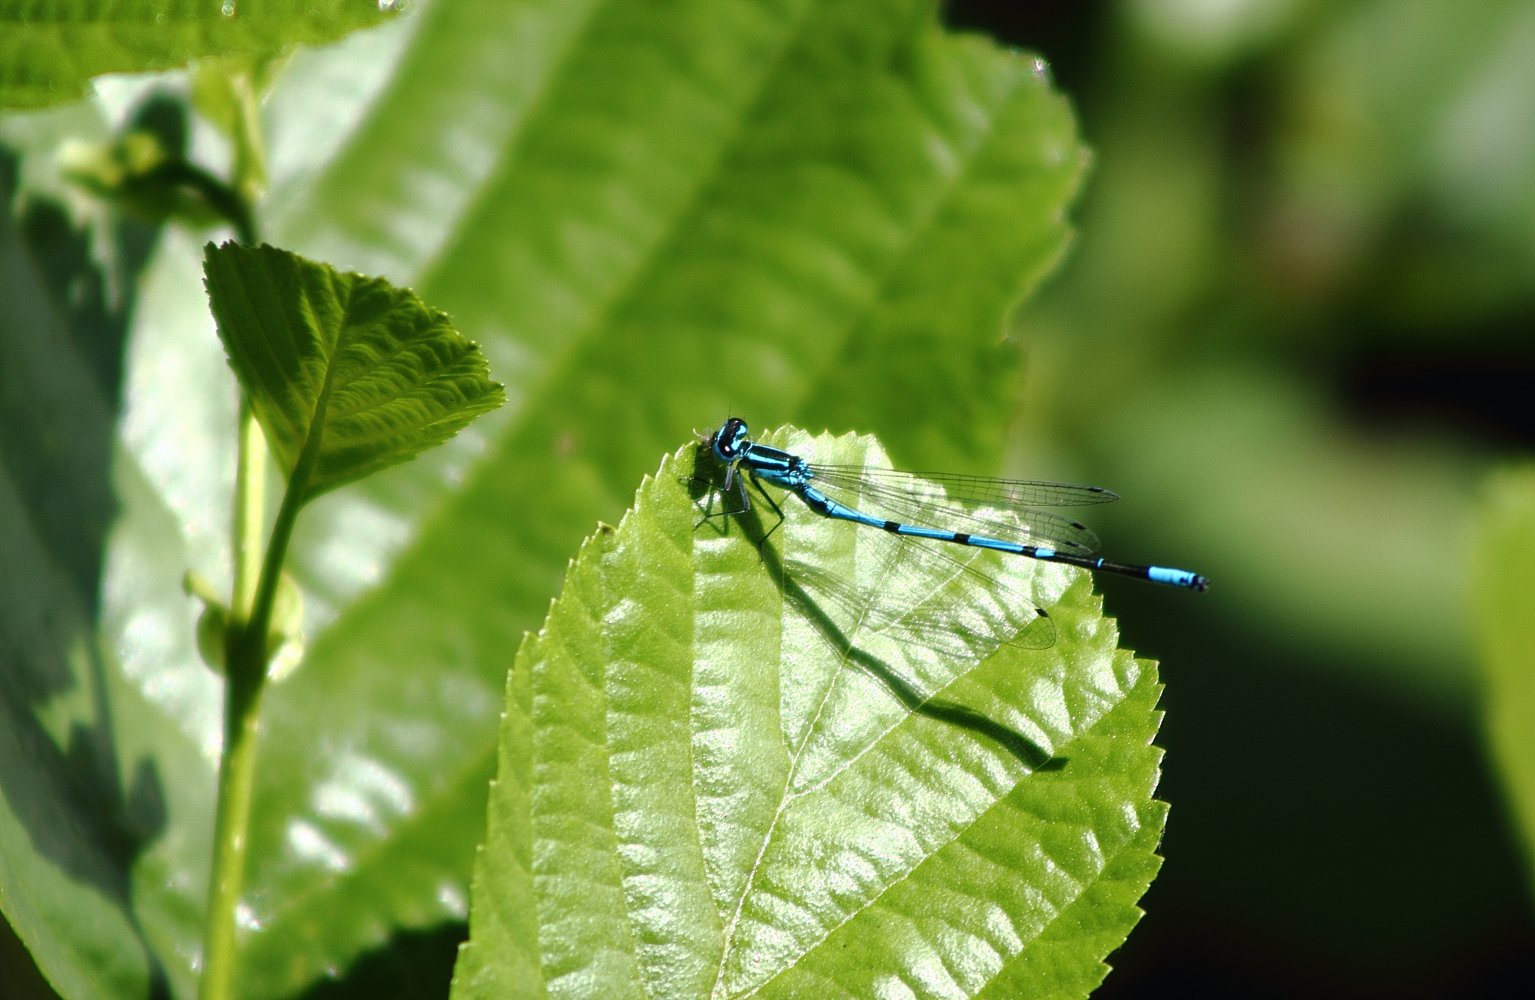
(812,590)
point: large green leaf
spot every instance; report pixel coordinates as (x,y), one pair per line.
(718,777)
(646,214)
(1505,595)
(106,737)
(49,50)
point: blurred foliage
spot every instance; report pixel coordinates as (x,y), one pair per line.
(1294,333)
(49,49)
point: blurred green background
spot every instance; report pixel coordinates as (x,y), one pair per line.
(1297,331)
(1294,331)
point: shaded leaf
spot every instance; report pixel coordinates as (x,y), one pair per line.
(101,783)
(49,50)
(347,374)
(714,783)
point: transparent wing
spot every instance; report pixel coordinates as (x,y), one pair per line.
(980,490)
(944,502)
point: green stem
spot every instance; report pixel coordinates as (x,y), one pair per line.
(247,653)
(245,646)
(241,719)
(220,196)
(237,773)
(250,503)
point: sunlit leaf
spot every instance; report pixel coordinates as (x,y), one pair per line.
(716,782)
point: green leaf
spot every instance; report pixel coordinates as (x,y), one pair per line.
(105,805)
(1505,599)
(647,214)
(49,50)
(664,213)
(346,373)
(713,783)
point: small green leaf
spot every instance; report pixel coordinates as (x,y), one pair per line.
(721,775)
(1505,597)
(347,374)
(49,50)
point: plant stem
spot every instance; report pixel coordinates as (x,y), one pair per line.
(237,772)
(245,646)
(246,655)
(247,652)
(250,504)
(242,696)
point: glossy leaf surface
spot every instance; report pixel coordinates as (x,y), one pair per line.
(717,778)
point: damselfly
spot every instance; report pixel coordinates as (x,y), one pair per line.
(937,506)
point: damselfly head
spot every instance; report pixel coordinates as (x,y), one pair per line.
(731,440)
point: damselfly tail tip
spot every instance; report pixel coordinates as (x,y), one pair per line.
(1177,577)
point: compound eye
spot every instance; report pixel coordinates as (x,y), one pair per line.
(730,439)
